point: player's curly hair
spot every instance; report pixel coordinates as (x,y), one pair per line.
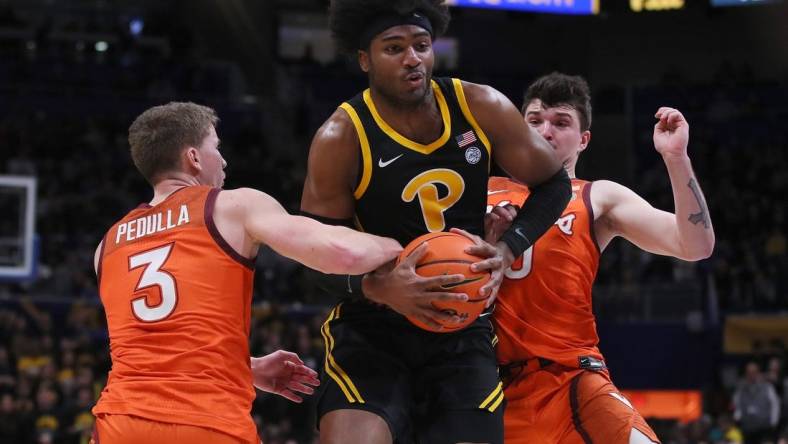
(348,18)
(560,89)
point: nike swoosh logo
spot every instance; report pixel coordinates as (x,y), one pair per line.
(519,232)
(490,193)
(457,284)
(383,164)
(622,399)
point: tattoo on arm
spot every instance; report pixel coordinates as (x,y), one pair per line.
(703,215)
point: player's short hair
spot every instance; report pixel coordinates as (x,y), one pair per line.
(158,135)
(350,18)
(557,89)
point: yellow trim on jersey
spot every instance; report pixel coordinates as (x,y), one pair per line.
(366,154)
(495,340)
(404,141)
(466,111)
(496,403)
(332,368)
(496,395)
(329,343)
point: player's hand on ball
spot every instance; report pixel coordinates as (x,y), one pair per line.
(411,295)
(497,221)
(496,263)
(285,374)
(671,133)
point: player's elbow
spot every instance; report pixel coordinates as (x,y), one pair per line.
(699,252)
(706,251)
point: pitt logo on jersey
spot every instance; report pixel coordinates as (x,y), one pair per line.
(424,186)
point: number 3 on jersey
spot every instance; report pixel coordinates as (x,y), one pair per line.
(153,275)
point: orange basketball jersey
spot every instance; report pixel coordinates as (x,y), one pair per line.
(177,299)
(544,304)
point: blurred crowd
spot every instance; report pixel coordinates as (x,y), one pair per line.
(750,408)
(51,371)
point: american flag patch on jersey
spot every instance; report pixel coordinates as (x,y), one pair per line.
(466,138)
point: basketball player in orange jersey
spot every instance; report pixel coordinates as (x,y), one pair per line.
(407,156)
(559,390)
(175,277)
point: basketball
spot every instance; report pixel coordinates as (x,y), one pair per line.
(446,255)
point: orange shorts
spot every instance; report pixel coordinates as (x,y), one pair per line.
(126,429)
(560,405)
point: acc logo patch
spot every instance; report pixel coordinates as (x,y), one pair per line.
(473,155)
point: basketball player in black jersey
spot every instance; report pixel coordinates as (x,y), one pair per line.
(411,155)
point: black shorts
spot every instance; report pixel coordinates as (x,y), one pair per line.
(428,387)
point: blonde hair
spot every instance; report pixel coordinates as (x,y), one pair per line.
(158,135)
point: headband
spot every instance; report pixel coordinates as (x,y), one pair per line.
(387,21)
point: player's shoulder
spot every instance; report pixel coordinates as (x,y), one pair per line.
(339,126)
(236,193)
(487,105)
(338,133)
(607,189)
(480,94)
(334,153)
(605,195)
(235,202)
(242,195)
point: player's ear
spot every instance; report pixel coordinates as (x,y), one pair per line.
(363,60)
(585,139)
(191,156)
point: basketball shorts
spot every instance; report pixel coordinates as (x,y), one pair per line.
(127,429)
(428,387)
(561,405)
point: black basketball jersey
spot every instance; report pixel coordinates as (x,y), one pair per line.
(406,188)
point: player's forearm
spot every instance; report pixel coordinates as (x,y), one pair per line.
(693,221)
(543,207)
(343,279)
(359,253)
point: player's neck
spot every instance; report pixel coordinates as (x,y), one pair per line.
(569,166)
(164,188)
(421,121)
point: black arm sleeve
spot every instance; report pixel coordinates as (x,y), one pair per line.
(540,211)
(336,285)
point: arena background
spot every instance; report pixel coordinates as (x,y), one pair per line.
(73,75)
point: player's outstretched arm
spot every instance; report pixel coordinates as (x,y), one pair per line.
(326,248)
(686,234)
(285,374)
